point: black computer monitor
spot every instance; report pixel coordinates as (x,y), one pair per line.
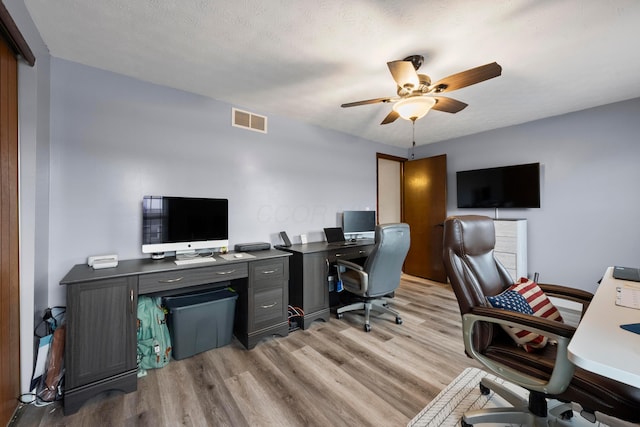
(359,224)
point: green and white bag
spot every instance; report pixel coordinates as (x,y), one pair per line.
(154,341)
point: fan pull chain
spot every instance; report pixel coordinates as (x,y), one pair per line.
(413,147)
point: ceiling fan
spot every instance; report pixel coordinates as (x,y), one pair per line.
(416,95)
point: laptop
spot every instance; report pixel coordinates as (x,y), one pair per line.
(626,273)
(335,235)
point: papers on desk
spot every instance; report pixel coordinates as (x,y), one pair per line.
(632,327)
(628,296)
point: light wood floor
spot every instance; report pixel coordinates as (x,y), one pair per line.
(332,374)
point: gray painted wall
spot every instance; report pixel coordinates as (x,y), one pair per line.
(33,131)
(103,140)
(590,203)
(115,139)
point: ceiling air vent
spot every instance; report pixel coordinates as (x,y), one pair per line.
(247,120)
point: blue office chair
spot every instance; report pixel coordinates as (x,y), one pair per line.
(380,274)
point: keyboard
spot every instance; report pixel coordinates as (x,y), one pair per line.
(196,260)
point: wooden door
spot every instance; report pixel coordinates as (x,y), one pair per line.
(424,188)
(9,273)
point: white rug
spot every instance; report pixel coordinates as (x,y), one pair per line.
(463,394)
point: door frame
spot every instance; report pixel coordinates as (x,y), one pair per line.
(13,47)
(401,161)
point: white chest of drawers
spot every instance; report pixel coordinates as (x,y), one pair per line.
(511,245)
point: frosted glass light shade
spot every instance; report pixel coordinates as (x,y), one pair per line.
(415,107)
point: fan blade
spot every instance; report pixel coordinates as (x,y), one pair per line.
(448,105)
(404,74)
(467,78)
(368,101)
(391,117)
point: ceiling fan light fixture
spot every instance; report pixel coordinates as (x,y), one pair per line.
(415,107)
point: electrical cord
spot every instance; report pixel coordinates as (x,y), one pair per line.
(33,399)
(295,312)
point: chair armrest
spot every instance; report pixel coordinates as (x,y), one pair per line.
(563,369)
(526,321)
(566,293)
(350,265)
(363,277)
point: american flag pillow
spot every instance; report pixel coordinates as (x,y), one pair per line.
(535,302)
(537,299)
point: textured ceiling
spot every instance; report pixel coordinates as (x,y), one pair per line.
(302,59)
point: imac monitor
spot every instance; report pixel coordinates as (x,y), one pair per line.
(183,224)
(359,224)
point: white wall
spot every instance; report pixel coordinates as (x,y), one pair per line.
(590,203)
(115,139)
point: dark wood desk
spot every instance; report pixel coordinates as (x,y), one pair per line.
(100,346)
(309,269)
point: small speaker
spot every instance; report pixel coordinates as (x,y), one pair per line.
(250,247)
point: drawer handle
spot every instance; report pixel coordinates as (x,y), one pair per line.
(338,255)
(269,271)
(363,252)
(222,273)
(177,279)
(270,305)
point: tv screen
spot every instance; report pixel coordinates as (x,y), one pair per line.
(183,224)
(516,186)
(359,222)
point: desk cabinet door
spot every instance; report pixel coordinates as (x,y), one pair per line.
(316,288)
(101,335)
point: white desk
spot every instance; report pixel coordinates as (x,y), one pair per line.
(600,345)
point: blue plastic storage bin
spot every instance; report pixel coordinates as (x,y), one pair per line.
(200,321)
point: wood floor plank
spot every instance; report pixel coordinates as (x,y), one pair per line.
(209,384)
(256,403)
(357,405)
(179,403)
(332,373)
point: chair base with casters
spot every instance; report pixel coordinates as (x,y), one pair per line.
(532,411)
(379,305)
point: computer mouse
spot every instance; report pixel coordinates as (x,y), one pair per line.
(237,256)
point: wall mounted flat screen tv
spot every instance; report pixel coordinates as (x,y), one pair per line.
(184,224)
(516,186)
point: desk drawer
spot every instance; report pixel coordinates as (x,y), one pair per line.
(270,271)
(182,278)
(506,244)
(508,260)
(349,253)
(269,308)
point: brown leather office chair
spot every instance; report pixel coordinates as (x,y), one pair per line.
(474,274)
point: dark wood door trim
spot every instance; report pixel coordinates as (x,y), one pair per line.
(13,37)
(400,160)
(390,157)
(9,264)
